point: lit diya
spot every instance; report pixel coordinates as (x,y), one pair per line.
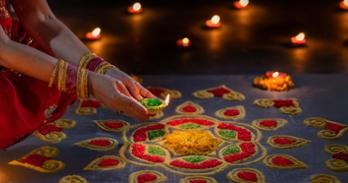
(299,40)
(274,81)
(94,35)
(183,42)
(155,105)
(344,5)
(241,4)
(214,22)
(136,8)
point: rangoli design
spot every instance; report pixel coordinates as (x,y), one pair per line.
(73,179)
(220,91)
(198,179)
(339,160)
(107,162)
(246,175)
(283,161)
(41,160)
(163,92)
(112,125)
(330,130)
(269,124)
(324,178)
(98,143)
(289,106)
(147,176)
(189,108)
(87,107)
(286,141)
(231,113)
(192,145)
(53,132)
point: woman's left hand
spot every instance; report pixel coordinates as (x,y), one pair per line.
(135,89)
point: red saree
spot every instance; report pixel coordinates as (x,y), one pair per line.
(25,103)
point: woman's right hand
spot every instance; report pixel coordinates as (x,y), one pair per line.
(115,95)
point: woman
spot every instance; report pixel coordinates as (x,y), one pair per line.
(45,66)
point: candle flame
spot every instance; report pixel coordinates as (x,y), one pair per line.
(185,41)
(275,74)
(136,6)
(96,32)
(167,100)
(215,19)
(245,2)
(301,36)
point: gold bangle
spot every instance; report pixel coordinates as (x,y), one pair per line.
(53,75)
(82,83)
(104,67)
(85,59)
(62,69)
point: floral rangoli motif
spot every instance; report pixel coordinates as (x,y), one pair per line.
(339,157)
(238,144)
(330,129)
(190,108)
(41,160)
(220,91)
(53,132)
(288,106)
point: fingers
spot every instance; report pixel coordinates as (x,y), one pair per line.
(133,88)
(120,86)
(146,93)
(131,108)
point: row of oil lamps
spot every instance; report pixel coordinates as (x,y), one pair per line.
(272,79)
(213,23)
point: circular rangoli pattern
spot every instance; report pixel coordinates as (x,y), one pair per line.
(238,144)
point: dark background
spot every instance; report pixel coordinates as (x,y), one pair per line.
(250,41)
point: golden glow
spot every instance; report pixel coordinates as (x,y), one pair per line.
(275,74)
(244,2)
(136,6)
(215,19)
(96,32)
(167,100)
(301,36)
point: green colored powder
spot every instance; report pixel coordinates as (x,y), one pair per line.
(190,126)
(194,159)
(154,134)
(227,134)
(230,150)
(156,151)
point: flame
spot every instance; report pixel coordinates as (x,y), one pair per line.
(96,32)
(275,74)
(301,36)
(136,6)
(215,19)
(245,2)
(185,41)
(167,100)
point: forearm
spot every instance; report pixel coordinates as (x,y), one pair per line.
(51,34)
(64,44)
(27,60)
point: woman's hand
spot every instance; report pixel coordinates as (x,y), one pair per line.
(114,95)
(135,89)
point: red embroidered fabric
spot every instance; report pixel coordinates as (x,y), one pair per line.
(25,103)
